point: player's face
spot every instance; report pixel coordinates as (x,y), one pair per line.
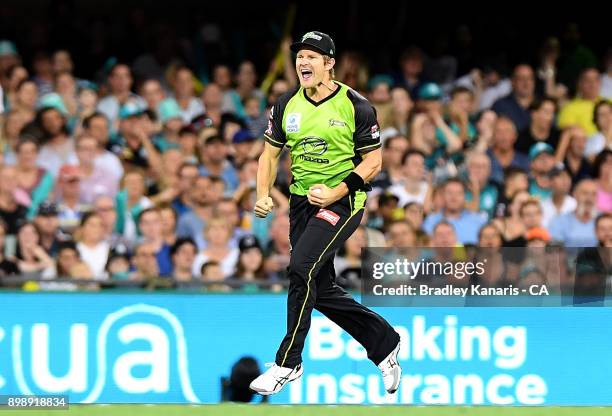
(310,67)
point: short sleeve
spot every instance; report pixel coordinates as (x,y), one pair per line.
(367,131)
(274,133)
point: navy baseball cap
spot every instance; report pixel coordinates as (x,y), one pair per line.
(316,41)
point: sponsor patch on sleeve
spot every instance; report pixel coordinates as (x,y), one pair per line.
(329,216)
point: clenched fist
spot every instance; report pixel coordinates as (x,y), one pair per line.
(263,206)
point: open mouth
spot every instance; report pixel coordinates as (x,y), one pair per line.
(306,74)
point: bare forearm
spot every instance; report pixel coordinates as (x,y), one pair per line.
(266,174)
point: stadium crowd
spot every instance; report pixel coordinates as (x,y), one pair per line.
(153,176)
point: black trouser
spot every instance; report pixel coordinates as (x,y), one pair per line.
(314,240)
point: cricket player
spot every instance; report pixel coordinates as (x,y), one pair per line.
(334,143)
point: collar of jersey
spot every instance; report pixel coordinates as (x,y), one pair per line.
(329,97)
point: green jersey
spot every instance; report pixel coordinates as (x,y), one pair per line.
(325,139)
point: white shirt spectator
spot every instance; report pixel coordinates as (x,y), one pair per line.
(228,264)
(194,109)
(110,163)
(95,258)
(489,94)
(110,106)
(595,144)
(100,182)
(399,190)
(53,157)
(549,210)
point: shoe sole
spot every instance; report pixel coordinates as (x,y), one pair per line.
(394,388)
(269,393)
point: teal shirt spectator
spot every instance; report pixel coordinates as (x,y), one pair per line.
(538,192)
(40,194)
(489,197)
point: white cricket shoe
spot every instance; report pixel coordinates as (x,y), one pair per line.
(391,371)
(275,378)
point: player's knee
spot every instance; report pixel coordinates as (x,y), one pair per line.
(300,268)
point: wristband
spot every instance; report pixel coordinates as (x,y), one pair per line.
(354,182)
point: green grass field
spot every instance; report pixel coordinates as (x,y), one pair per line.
(281,410)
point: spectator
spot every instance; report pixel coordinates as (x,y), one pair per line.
(92,246)
(603,230)
(168,222)
(211,273)
(245,147)
(68,198)
(7,266)
(560,201)
(387,211)
(11,212)
(541,126)
(515,105)
(25,99)
(226,208)
(278,250)
(413,187)
(217,233)
(400,234)
(460,108)
(134,147)
(150,225)
(602,139)
(411,66)
(413,213)
(183,253)
(118,265)
(250,265)
(184,94)
(214,154)
(172,123)
(47,223)
(70,265)
(489,236)
(392,173)
(482,193)
(153,94)
(515,180)
(443,235)
(541,157)
(256,119)
(104,206)
(187,175)
(530,213)
(32,260)
(579,111)
(347,262)
(602,167)
(511,225)
(58,148)
(97,126)
(401,110)
(212,98)
(96,180)
(34,184)
(120,85)
(430,134)
(131,201)
(571,154)
(465,223)
(43,72)
(66,88)
(188,144)
(15,75)
(246,79)
(577,228)
(87,102)
(502,152)
(10,135)
(222,77)
(144,264)
(203,199)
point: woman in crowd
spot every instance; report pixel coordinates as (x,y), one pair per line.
(250,265)
(34,184)
(32,259)
(602,170)
(93,248)
(217,233)
(131,201)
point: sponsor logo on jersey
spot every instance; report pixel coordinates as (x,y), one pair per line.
(293,122)
(329,216)
(314,145)
(375,132)
(336,123)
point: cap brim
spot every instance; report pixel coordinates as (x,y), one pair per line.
(298,46)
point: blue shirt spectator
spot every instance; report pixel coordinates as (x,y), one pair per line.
(516,105)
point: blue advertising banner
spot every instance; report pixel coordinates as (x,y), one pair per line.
(174,348)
